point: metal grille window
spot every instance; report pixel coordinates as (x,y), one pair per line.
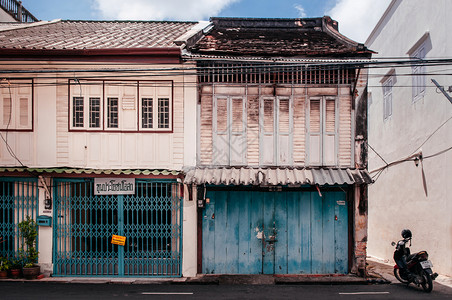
(94,112)
(150,220)
(128,106)
(113,113)
(223,72)
(163,108)
(77,112)
(18,199)
(146,112)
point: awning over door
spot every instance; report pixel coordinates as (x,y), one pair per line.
(277,176)
(88,171)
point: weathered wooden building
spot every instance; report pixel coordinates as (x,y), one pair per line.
(281,164)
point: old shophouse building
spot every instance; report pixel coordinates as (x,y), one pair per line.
(236,148)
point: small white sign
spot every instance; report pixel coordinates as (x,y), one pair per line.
(114,186)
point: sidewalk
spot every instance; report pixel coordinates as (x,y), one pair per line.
(384,270)
(379,272)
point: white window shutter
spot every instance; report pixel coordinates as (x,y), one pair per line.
(284,132)
(237,132)
(267,146)
(329,145)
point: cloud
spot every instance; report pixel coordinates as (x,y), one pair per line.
(301,11)
(357,18)
(191,10)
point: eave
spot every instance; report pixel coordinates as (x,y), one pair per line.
(155,55)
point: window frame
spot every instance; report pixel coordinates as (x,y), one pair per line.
(15,107)
(80,86)
(276,134)
(418,82)
(387,87)
(229,134)
(323,134)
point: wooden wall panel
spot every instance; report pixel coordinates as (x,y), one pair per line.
(62,135)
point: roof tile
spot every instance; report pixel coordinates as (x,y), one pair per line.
(95,35)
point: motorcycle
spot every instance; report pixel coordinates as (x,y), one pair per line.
(412,268)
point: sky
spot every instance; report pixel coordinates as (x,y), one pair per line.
(356,18)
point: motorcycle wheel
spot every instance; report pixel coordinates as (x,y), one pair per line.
(399,278)
(427,283)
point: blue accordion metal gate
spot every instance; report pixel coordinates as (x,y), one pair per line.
(18,199)
(84,224)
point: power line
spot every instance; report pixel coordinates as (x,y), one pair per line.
(254,66)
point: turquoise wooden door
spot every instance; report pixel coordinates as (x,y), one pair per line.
(275,233)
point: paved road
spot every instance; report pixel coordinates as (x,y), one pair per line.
(53,290)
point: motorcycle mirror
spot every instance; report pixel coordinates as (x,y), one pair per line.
(393,244)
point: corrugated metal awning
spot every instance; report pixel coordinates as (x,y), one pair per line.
(277,176)
(66,170)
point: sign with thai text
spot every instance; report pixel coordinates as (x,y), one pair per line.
(114,186)
(118,240)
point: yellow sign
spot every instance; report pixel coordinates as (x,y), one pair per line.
(118,240)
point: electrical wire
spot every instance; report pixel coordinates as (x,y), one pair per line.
(377,154)
(257,66)
(432,134)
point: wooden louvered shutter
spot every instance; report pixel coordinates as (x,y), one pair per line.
(315,143)
(220,143)
(237,134)
(284,132)
(329,135)
(267,146)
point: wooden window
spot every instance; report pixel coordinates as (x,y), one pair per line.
(229,140)
(276,132)
(7,111)
(121,105)
(16,104)
(156,106)
(387,98)
(23,114)
(323,131)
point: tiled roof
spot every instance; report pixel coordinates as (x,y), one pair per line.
(313,37)
(95,35)
(277,176)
